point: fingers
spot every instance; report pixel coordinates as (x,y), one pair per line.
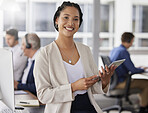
(84,83)
(91,80)
(90,83)
(103,71)
(107,69)
(91,77)
(112,69)
(100,74)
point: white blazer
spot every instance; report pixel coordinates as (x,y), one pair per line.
(52,85)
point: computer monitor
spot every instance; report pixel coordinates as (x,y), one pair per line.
(6,78)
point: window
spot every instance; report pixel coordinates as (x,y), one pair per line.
(16,19)
(140,21)
(40,21)
(90,17)
(145,19)
(140,25)
(143,42)
(46,41)
(104,17)
(134,18)
(42,16)
(104,42)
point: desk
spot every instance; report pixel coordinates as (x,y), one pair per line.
(140,76)
(30,96)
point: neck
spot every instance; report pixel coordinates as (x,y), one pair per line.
(31,54)
(15,43)
(125,45)
(66,42)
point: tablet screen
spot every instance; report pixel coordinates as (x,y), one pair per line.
(116,63)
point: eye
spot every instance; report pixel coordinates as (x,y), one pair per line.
(75,19)
(65,17)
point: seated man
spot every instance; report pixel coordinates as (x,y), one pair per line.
(30,46)
(12,41)
(128,66)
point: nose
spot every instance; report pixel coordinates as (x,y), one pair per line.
(70,22)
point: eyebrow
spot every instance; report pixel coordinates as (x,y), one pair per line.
(69,15)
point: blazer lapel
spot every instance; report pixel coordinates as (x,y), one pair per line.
(58,68)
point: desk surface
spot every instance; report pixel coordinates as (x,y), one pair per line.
(27,96)
(140,76)
(30,96)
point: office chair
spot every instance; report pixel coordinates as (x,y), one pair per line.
(119,93)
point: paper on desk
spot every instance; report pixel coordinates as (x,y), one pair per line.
(20,92)
(27,103)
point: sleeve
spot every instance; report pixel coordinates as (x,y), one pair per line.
(129,64)
(97,87)
(46,92)
(29,86)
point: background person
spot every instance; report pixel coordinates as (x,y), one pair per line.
(19,60)
(121,52)
(30,47)
(65,71)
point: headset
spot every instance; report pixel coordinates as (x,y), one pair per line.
(28,46)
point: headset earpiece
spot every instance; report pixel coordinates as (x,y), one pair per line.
(28,46)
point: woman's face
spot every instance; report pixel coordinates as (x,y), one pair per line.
(68,21)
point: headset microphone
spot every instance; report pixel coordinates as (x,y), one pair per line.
(22,54)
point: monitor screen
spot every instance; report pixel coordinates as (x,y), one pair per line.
(6,78)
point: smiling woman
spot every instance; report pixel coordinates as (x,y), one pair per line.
(68,21)
(66,76)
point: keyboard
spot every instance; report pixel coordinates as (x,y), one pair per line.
(20,111)
(6,109)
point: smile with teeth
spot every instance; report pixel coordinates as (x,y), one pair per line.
(68,28)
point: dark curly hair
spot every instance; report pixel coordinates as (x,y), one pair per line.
(62,7)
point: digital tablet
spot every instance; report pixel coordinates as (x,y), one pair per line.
(116,63)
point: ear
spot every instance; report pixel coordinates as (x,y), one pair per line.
(57,19)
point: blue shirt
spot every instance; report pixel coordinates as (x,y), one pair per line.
(128,66)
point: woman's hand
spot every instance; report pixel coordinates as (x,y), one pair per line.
(106,75)
(84,83)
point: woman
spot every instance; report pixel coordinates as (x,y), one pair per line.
(65,72)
